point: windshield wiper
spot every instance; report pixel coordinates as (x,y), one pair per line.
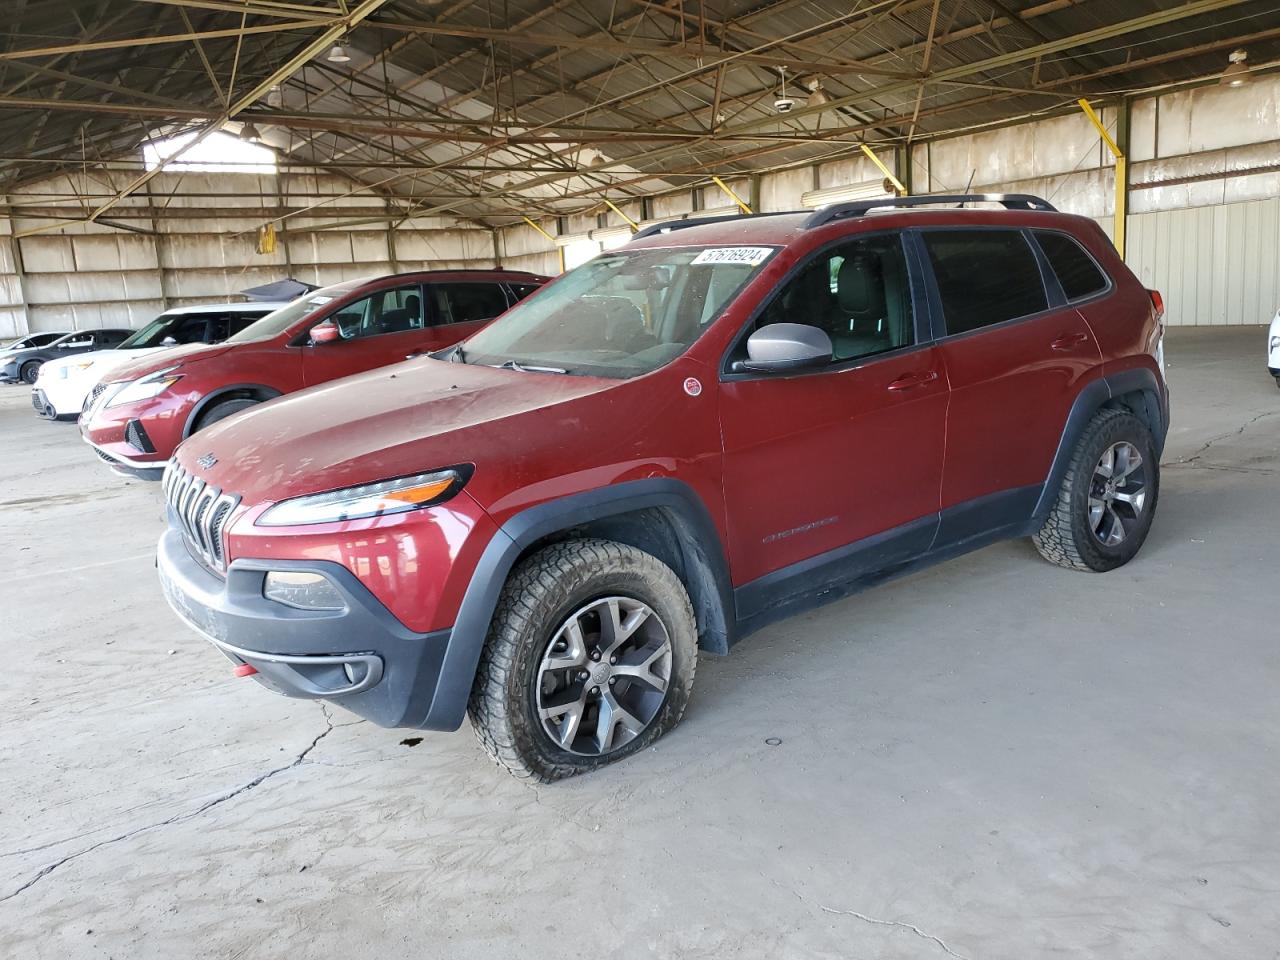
(528,367)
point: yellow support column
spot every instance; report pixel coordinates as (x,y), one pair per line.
(538,227)
(742,204)
(1122,175)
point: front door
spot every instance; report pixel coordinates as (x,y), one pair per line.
(381,328)
(836,470)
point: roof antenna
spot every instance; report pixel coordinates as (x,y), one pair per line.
(968,186)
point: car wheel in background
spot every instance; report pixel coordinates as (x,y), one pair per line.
(222,410)
(590,658)
(1108,497)
(30,370)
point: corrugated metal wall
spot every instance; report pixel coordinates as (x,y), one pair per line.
(1213,265)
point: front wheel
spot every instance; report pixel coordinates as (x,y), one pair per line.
(1104,508)
(30,371)
(220,411)
(590,658)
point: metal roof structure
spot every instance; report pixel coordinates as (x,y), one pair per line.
(493,110)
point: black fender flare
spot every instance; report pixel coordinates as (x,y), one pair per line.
(471,627)
(1087,403)
(269,393)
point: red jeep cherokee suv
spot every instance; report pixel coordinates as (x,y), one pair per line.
(716,426)
(135,418)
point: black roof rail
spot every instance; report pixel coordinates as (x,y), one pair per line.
(857,208)
(668,225)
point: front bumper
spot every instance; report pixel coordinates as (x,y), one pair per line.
(9,372)
(361,658)
(41,404)
(63,399)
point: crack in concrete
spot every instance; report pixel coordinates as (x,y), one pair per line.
(180,817)
(877,921)
(1226,436)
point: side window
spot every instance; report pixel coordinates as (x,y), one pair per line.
(858,292)
(1078,274)
(521,290)
(462,302)
(44,339)
(984,277)
(236,322)
(191,329)
(387,311)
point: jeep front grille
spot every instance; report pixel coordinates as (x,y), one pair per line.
(201,512)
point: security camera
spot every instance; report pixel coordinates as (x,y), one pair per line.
(784,105)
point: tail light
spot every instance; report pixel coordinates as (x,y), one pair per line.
(1157,302)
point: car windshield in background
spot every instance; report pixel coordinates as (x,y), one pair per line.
(155,333)
(620,315)
(281,320)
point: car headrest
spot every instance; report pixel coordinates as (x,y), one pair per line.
(860,287)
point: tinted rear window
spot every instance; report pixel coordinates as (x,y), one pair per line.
(1078,274)
(984,277)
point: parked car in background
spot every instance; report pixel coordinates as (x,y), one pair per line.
(28,342)
(679,442)
(24,365)
(142,410)
(1273,348)
(62,386)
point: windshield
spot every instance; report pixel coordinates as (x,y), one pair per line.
(281,320)
(167,326)
(620,315)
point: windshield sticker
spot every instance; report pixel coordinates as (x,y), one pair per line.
(747,256)
(319,301)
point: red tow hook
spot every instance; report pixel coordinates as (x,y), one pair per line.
(245,670)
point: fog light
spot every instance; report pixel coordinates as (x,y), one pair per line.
(305,591)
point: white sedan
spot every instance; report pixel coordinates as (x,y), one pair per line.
(1273,348)
(63,386)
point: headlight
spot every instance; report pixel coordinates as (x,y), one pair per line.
(149,386)
(305,591)
(369,500)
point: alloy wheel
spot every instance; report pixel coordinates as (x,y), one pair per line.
(604,676)
(1117,493)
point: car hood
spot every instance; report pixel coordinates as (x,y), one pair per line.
(98,362)
(414,416)
(162,358)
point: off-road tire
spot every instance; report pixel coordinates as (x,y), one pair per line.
(1066,537)
(30,371)
(220,411)
(542,591)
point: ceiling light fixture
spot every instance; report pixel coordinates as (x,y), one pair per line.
(249,133)
(338,54)
(817,96)
(1237,72)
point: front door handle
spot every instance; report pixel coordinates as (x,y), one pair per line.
(910,380)
(1069,340)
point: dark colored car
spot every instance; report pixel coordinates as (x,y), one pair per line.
(140,412)
(683,440)
(24,365)
(31,340)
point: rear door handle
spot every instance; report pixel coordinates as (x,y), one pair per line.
(909,380)
(1068,340)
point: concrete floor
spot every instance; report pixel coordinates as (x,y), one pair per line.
(994,758)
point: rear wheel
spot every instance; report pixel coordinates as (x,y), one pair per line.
(590,658)
(222,410)
(1108,497)
(30,370)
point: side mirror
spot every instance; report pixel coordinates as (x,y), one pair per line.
(326,331)
(787,346)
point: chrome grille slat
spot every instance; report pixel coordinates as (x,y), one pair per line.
(200,510)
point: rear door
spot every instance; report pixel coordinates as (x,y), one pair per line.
(1014,352)
(460,308)
(380,328)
